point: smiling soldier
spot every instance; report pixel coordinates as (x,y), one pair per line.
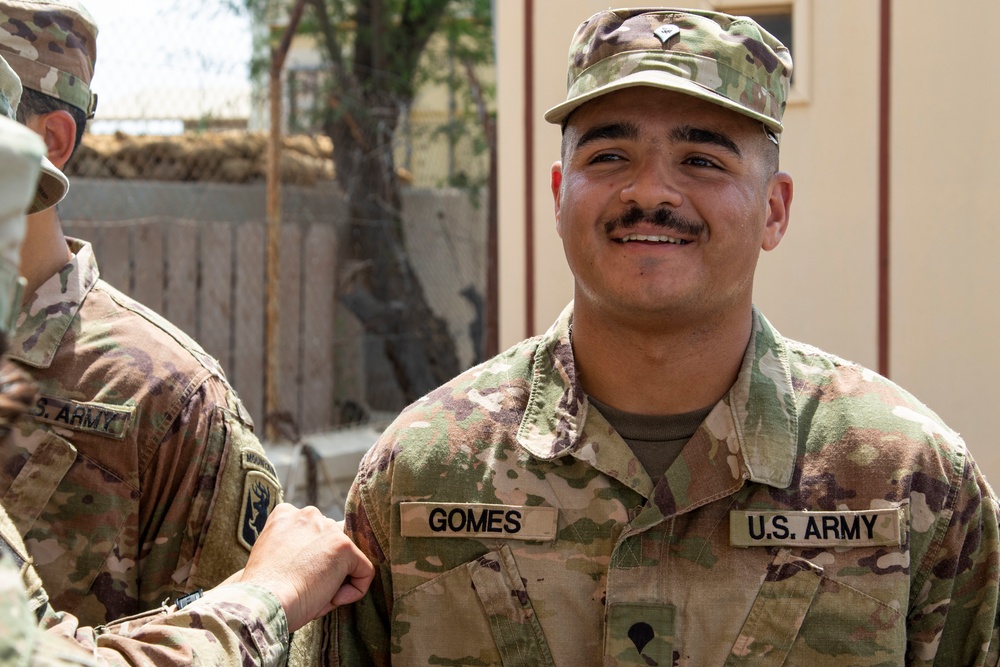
(688,487)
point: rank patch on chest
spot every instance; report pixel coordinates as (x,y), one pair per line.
(505,522)
(260,495)
(864,528)
(110,421)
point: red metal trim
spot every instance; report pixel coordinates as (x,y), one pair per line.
(884,165)
(529,171)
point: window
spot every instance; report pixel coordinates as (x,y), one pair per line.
(790,22)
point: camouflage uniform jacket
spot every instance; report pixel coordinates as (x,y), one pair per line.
(234,624)
(511,525)
(137,477)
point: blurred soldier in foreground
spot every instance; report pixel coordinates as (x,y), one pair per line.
(662,478)
(301,566)
(136,476)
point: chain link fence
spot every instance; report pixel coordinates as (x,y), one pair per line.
(169,185)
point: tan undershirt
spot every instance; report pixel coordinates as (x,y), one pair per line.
(656,440)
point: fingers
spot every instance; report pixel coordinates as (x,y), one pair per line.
(307,561)
(348,594)
(357,581)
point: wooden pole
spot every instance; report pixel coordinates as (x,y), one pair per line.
(278,55)
(884,184)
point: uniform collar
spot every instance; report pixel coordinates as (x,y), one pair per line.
(47,314)
(761,402)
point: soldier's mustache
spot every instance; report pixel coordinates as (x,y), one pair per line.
(661,217)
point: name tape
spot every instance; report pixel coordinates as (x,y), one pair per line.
(505,522)
(864,528)
(106,420)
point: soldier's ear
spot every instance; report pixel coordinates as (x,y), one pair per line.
(779,202)
(58,129)
(555,182)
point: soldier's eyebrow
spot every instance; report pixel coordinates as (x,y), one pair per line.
(610,131)
(698,135)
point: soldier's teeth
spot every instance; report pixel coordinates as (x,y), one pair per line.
(655,239)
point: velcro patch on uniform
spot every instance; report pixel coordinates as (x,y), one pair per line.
(506,522)
(260,495)
(863,528)
(110,421)
(256,461)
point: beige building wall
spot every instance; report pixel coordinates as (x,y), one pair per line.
(945,222)
(821,284)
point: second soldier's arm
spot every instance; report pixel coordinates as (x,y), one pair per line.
(301,567)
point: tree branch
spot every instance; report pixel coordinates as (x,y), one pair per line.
(330,41)
(414,31)
(280,52)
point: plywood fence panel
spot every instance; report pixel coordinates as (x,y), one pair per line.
(290,324)
(114,255)
(215,305)
(147,265)
(181,276)
(249,305)
(318,302)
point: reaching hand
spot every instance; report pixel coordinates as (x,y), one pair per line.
(307,561)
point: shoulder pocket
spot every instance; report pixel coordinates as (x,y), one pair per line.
(499,626)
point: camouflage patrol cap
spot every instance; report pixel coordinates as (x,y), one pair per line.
(10,90)
(727,60)
(52,45)
(21,152)
(52,183)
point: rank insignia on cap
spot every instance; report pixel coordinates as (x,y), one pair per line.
(260,495)
(666,32)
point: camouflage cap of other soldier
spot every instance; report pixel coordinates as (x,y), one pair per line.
(52,183)
(726,60)
(52,45)
(21,155)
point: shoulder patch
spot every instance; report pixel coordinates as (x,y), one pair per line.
(260,495)
(863,528)
(255,461)
(503,522)
(110,421)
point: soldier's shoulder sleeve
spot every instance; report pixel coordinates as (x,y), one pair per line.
(19,626)
(955,599)
(243,490)
(235,624)
(13,549)
(22,642)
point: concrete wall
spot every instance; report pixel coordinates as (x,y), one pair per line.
(821,284)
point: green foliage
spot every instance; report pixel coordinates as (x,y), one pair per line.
(379,55)
(468,34)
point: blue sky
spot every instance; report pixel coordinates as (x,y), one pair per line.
(169,59)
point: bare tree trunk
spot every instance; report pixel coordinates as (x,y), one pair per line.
(382,289)
(369,95)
